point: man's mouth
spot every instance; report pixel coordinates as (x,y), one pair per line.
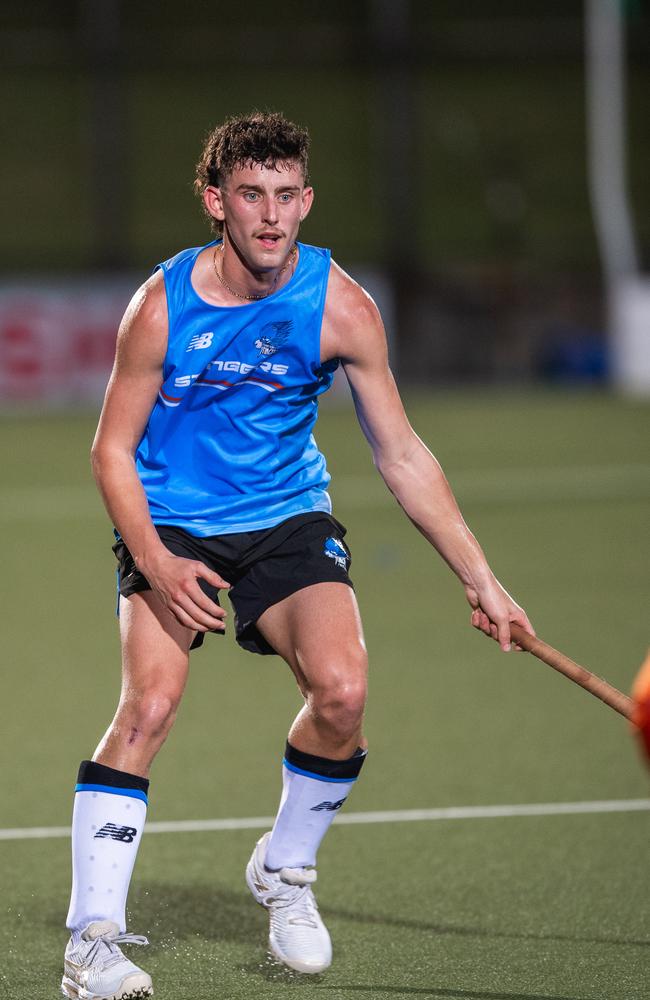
(269,240)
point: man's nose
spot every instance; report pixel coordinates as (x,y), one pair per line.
(270,211)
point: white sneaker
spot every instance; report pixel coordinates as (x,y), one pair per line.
(96,969)
(297,935)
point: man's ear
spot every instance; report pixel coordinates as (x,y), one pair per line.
(213,201)
(307,202)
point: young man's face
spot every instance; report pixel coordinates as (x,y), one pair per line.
(262,208)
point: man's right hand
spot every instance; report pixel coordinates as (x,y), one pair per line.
(175,581)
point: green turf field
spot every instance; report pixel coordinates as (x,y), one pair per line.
(547,907)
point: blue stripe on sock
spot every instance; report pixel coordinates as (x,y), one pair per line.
(317,777)
(131,793)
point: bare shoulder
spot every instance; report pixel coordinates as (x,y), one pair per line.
(351,320)
(142,335)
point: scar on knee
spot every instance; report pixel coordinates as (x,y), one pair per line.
(133,735)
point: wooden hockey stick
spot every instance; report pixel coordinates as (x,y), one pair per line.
(580,675)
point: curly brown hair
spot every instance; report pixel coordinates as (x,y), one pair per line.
(265,137)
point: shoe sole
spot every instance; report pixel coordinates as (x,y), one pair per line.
(74,992)
(295,964)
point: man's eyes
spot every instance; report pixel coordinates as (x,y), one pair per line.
(253,196)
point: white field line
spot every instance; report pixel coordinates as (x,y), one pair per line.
(484,486)
(391,816)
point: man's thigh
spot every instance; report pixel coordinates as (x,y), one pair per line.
(318,631)
(180,543)
(155,646)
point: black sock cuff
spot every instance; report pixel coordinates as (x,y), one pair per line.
(91,773)
(333,770)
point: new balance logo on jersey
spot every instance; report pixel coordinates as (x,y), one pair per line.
(327,806)
(124,834)
(200,341)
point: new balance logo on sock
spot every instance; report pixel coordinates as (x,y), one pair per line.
(329,806)
(124,834)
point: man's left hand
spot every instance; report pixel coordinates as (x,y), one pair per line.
(493,610)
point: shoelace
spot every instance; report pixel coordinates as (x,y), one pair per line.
(111,942)
(299,897)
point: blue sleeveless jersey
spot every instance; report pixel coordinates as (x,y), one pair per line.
(229,446)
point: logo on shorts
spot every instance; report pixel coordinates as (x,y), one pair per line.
(123,834)
(334,550)
(327,806)
(273,337)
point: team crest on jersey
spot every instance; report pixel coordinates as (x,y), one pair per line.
(334,550)
(273,336)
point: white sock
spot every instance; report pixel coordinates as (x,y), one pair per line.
(107,825)
(310,801)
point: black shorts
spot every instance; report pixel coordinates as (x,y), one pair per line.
(263,567)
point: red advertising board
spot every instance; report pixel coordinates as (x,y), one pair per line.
(57,343)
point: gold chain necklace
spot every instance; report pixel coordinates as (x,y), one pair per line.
(254,298)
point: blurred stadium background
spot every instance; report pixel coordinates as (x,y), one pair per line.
(485,169)
(450,156)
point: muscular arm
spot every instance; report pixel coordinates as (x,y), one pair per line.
(353,331)
(130,397)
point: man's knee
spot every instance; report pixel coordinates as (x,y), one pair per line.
(338,698)
(149,713)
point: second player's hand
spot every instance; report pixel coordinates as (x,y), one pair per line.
(493,609)
(175,581)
